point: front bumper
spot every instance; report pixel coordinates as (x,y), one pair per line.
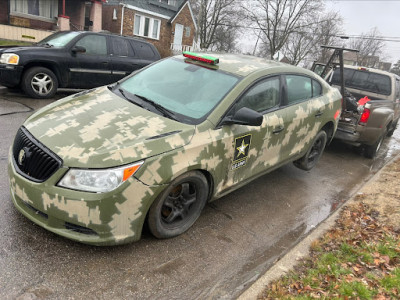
(104,219)
(10,75)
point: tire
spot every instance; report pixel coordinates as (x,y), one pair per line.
(40,83)
(178,206)
(370,151)
(310,159)
(392,129)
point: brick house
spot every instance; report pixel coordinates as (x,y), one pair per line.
(168,24)
(50,15)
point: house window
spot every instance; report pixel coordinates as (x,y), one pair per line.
(187,31)
(169,2)
(41,8)
(147,27)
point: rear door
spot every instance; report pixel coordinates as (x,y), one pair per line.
(123,58)
(92,68)
(304,109)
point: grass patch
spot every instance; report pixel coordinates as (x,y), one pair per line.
(14,43)
(358,259)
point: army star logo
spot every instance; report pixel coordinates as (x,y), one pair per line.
(242,147)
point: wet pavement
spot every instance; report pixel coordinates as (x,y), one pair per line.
(236,239)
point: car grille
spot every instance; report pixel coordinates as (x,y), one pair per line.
(32,159)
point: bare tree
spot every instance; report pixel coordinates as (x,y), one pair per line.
(370,46)
(212,16)
(225,39)
(396,68)
(278,19)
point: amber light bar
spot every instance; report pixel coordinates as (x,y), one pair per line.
(203,58)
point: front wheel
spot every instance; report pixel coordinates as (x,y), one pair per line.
(310,159)
(179,205)
(39,82)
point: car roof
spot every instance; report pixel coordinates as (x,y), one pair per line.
(370,70)
(106,33)
(243,65)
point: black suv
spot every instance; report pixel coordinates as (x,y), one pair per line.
(73,59)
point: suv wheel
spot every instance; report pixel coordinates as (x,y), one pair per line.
(39,82)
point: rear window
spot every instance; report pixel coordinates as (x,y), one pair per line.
(364,80)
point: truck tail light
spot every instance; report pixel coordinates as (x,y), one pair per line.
(365,116)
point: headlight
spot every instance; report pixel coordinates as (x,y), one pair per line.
(98,181)
(9,58)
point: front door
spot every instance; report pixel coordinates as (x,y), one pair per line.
(178,37)
(92,68)
(256,149)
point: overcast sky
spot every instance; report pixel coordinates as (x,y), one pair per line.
(361,16)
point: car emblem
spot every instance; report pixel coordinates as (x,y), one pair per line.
(21,157)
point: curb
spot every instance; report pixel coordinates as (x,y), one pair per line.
(301,250)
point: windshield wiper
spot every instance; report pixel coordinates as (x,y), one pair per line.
(122,92)
(165,112)
(46,45)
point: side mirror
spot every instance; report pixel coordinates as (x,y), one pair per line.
(78,49)
(244,116)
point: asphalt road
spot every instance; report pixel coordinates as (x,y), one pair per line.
(237,238)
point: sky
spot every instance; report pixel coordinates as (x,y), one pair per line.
(361,16)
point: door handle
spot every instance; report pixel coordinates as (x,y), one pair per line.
(278,129)
(319,113)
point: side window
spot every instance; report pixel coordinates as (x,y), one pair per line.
(348,75)
(262,96)
(316,88)
(120,46)
(298,88)
(94,44)
(142,50)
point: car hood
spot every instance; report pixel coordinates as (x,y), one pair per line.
(98,129)
(19,49)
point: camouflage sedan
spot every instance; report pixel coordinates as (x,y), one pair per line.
(160,144)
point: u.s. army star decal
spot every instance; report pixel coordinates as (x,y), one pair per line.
(242,147)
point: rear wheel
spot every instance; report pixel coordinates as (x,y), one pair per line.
(179,205)
(39,82)
(310,159)
(370,151)
(392,129)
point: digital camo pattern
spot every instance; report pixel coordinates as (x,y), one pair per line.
(98,129)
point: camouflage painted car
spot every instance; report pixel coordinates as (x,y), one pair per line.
(155,147)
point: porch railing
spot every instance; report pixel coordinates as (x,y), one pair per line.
(180,48)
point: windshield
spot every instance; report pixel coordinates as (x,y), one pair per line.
(183,88)
(59,39)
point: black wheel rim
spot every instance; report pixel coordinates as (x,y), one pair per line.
(315,150)
(179,206)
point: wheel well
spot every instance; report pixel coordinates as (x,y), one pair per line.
(328,128)
(210,181)
(47,65)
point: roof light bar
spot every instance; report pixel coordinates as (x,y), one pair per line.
(203,58)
